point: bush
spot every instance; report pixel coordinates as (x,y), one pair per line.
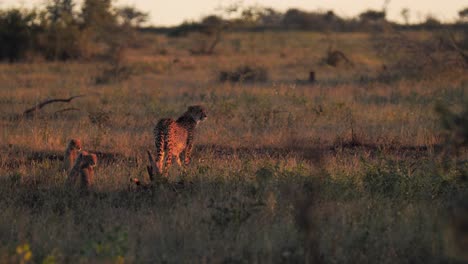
(60,33)
(18,33)
(244,73)
(382,180)
(407,57)
(408,180)
(61,42)
(114,74)
(455,127)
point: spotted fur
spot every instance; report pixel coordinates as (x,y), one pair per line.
(174,138)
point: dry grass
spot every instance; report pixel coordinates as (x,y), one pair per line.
(367,152)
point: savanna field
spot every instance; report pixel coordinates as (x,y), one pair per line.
(352,168)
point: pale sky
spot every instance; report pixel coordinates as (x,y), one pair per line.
(173,12)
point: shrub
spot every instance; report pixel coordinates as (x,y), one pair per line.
(454,125)
(407,57)
(60,34)
(382,180)
(336,58)
(244,73)
(114,74)
(18,33)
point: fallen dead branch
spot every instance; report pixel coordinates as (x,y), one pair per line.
(34,109)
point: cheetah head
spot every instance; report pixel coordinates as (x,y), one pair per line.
(91,160)
(197,112)
(87,159)
(74,144)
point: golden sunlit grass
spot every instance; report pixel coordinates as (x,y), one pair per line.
(365,150)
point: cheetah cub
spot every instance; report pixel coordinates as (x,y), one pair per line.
(84,167)
(72,151)
(174,138)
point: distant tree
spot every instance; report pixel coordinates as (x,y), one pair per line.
(463,14)
(330,16)
(319,21)
(296,18)
(270,17)
(59,10)
(250,15)
(17,33)
(211,25)
(431,21)
(97,15)
(212,28)
(130,19)
(259,16)
(372,15)
(212,21)
(131,16)
(405,14)
(99,25)
(464,19)
(184,29)
(61,36)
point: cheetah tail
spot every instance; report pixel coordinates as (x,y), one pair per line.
(159,141)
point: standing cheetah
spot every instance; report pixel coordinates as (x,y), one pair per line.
(71,153)
(175,137)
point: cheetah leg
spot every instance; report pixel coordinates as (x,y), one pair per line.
(71,178)
(74,173)
(188,150)
(160,163)
(87,176)
(169,154)
(181,164)
(179,160)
